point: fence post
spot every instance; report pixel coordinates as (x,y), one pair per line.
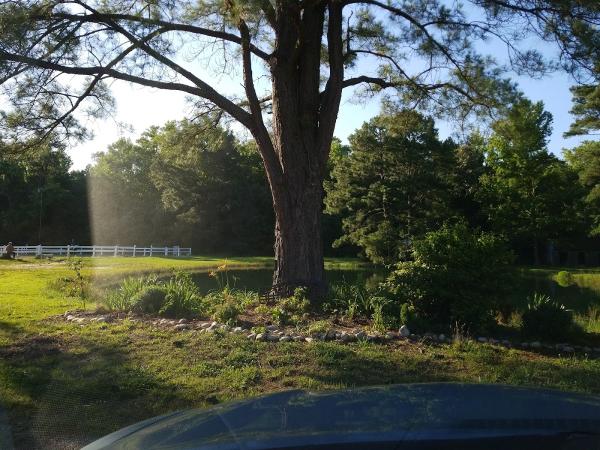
(38,251)
(68,251)
(116,250)
(151,249)
(178,250)
(166,250)
(134,250)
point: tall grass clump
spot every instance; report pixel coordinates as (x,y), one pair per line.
(545,318)
(590,320)
(182,297)
(123,298)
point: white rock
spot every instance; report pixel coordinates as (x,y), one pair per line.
(298,338)
(238,329)
(483,340)
(535,344)
(389,335)
(183,321)
(205,325)
(273,337)
(308,339)
(271,327)
(70,317)
(442,338)
(285,339)
(404,331)
(251,336)
(102,319)
(182,326)
(361,335)
(260,337)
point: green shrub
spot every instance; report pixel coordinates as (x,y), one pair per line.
(291,310)
(182,298)
(457,275)
(227,312)
(564,278)
(149,300)
(547,319)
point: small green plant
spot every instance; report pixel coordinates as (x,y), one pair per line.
(318,327)
(379,322)
(263,310)
(291,310)
(547,319)
(149,300)
(564,278)
(590,320)
(227,312)
(77,285)
(221,276)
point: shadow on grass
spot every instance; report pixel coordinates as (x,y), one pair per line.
(80,392)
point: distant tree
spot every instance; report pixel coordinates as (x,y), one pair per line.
(529,195)
(393,184)
(465,181)
(40,200)
(586,106)
(126,207)
(183,183)
(214,185)
(308,51)
(585,160)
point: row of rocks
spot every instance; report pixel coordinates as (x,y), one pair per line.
(272,333)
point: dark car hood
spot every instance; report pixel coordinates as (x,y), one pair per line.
(398,412)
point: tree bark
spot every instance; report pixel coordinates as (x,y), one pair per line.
(298,243)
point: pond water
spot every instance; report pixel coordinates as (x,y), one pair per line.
(260,279)
(578,297)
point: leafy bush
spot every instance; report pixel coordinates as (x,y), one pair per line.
(182,297)
(291,310)
(227,312)
(149,300)
(457,276)
(564,278)
(547,319)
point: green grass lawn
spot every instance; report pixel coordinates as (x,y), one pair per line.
(63,384)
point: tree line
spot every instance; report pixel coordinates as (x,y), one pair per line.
(195,184)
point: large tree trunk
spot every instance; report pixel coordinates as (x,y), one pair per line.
(298,242)
(296,148)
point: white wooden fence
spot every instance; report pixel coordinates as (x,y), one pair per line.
(97,250)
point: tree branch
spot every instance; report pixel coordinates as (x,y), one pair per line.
(97,17)
(259,130)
